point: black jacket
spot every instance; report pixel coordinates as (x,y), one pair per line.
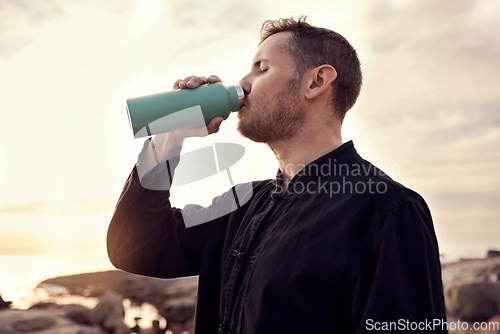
(345,250)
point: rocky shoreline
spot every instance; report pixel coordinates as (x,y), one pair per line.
(174,300)
(471,288)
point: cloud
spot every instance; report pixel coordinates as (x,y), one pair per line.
(206,26)
(19,19)
(17,16)
(50,208)
(22,243)
(430,103)
(438,30)
(433,65)
(14,9)
(220,15)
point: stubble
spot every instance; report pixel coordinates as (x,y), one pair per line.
(276,119)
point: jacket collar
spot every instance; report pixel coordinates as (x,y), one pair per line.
(328,165)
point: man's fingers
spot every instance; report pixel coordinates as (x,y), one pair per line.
(176,84)
(196,81)
(213,78)
(193,81)
(183,83)
(214,125)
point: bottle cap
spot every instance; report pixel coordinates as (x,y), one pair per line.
(241,93)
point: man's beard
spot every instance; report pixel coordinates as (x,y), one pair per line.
(275,119)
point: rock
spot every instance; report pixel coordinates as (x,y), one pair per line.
(181,328)
(493,253)
(4,304)
(33,324)
(472,270)
(166,295)
(472,288)
(179,313)
(181,289)
(54,289)
(98,283)
(473,301)
(78,313)
(44,306)
(178,310)
(139,289)
(179,304)
(156,329)
(15,321)
(109,313)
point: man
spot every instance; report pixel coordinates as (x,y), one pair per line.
(332,245)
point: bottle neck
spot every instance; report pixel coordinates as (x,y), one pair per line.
(237,95)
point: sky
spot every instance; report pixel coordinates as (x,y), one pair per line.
(428,113)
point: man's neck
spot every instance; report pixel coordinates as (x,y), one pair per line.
(307,146)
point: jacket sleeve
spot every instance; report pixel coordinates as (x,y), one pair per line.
(398,287)
(147,236)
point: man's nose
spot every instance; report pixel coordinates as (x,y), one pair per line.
(246,84)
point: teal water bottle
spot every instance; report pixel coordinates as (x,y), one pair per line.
(182,108)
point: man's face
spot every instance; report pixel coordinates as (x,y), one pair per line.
(273,109)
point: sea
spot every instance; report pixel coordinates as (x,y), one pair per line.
(20,284)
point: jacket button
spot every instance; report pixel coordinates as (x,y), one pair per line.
(239,255)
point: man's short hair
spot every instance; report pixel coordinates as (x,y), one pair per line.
(312,46)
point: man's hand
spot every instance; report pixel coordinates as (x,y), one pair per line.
(190,83)
(194,81)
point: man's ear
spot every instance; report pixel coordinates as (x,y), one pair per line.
(319,80)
